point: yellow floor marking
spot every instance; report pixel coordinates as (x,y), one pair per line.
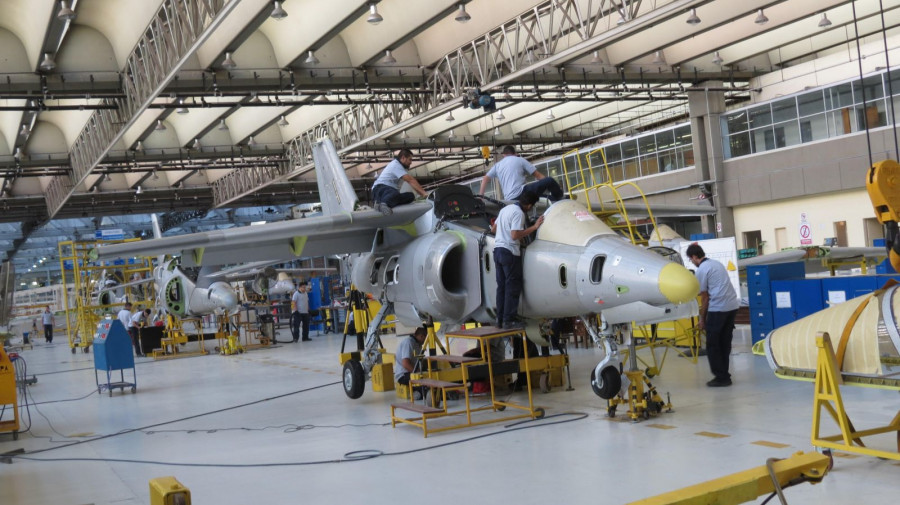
(765,443)
(711,434)
(661,426)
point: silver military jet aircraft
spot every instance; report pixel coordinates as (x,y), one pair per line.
(435,259)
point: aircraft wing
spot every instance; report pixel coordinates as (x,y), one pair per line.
(815,255)
(787,256)
(342,233)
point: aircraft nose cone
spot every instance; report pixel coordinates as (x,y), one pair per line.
(678,284)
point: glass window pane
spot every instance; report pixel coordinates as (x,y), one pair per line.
(873,87)
(649,165)
(632,170)
(841,96)
(787,134)
(762,139)
(629,149)
(686,157)
(647,144)
(570,164)
(615,171)
(783,110)
(667,161)
(811,103)
(760,116)
(683,135)
(554,168)
(613,153)
(665,140)
(813,128)
(874,115)
(735,122)
(738,145)
(894,82)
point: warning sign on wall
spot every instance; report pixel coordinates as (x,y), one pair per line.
(805,231)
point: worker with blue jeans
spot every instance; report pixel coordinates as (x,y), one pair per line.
(386,189)
(511,172)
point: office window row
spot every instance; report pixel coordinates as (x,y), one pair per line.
(814,115)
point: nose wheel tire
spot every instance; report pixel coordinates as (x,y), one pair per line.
(608,384)
(354,379)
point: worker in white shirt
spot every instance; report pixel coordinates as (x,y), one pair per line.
(124,315)
(139,319)
(48,320)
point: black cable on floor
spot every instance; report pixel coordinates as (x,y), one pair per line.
(358,455)
(217,411)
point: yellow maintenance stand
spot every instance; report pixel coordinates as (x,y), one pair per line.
(9,423)
(92,302)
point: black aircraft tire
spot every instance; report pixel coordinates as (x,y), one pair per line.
(608,385)
(354,379)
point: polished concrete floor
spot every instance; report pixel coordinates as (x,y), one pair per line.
(273,426)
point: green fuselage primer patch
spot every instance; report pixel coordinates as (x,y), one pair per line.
(621,289)
(409,228)
(298,244)
(197,254)
(462,238)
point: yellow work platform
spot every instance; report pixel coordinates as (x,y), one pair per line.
(433,378)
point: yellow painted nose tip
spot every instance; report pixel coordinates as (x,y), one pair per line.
(678,284)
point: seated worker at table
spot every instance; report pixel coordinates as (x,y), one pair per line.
(405,357)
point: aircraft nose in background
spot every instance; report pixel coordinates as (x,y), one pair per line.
(678,284)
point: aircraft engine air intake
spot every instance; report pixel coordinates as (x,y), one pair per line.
(863,333)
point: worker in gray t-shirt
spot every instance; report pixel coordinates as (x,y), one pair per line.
(405,356)
(512,171)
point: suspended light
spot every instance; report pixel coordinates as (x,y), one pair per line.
(550,114)
(497,131)
(251,142)
(155,175)
(283,122)
(450,135)
(139,148)
(450,117)
(311,58)
(25,130)
(48,64)
(197,144)
(595,58)
(693,19)
(529,57)
(404,135)
(278,12)
(182,109)
(139,190)
(717,59)
(622,19)
(659,58)
(824,22)
(254,98)
(461,15)
(374,17)
(228,63)
(388,57)
(160,127)
(222,126)
(500,116)
(20,154)
(761,18)
(65,12)
(107,178)
(506,95)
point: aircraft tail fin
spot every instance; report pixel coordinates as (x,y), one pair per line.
(335,190)
(157,233)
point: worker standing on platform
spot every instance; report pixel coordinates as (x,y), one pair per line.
(300,312)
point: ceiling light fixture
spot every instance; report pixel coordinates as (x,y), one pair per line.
(228,63)
(48,64)
(622,19)
(550,114)
(388,57)
(182,109)
(139,190)
(197,144)
(222,126)
(693,19)
(25,130)
(500,116)
(278,12)
(20,154)
(717,59)
(659,58)
(251,142)
(530,57)
(254,98)
(107,177)
(139,148)
(404,135)
(65,12)
(761,18)
(155,175)
(450,135)
(374,17)
(283,122)
(450,116)
(595,58)
(824,22)
(461,15)
(311,58)
(160,127)
(497,131)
